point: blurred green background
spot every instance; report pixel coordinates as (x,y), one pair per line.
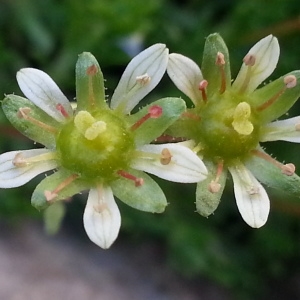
(49,35)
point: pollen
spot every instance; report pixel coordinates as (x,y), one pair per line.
(241,123)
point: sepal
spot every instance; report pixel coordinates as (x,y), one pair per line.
(11,105)
(285,101)
(206,200)
(147,197)
(90,91)
(50,183)
(172,108)
(272,176)
(211,72)
(53,217)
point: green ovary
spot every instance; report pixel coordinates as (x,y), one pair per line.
(95,146)
(227,129)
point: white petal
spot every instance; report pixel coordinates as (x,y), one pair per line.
(266,53)
(152,62)
(251,198)
(102,219)
(284,130)
(39,88)
(14,176)
(184,166)
(186,75)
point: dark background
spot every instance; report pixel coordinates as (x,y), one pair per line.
(222,249)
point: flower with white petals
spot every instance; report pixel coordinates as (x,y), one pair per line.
(97,147)
(229,121)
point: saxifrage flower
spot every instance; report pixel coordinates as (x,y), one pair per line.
(230,120)
(97,147)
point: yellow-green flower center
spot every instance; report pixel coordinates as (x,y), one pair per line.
(95,146)
(227,128)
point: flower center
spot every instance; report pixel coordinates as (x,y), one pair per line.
(226,129)
(95,145)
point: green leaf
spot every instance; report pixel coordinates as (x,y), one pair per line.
(53,217)
(206,201)
(50,183)
(152,128)
(272,176)
(148,197)
(90,92)
(11,105)
(282,104)
(211,72)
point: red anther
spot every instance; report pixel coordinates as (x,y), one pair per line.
(92,70)
(137,181)
(154,112)
(62,110)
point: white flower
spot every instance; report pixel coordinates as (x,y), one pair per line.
(48,114)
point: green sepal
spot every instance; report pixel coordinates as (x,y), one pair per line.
(53,217)
(152,128)
(186,127)
(148,197)
(211,72)
(272,176)
(206,201)
(11,105)
(38,199)
(282,104)
(90,91)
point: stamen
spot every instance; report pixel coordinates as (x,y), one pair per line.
(290,81)
(249,60)
(51,195)
(23,113)
(220,61)
(62,110)
(191,116)
(214,186)
(21,161)
(137,181)
(166,156)
(288,169)
(202,87)
(154,112)
(91,71)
